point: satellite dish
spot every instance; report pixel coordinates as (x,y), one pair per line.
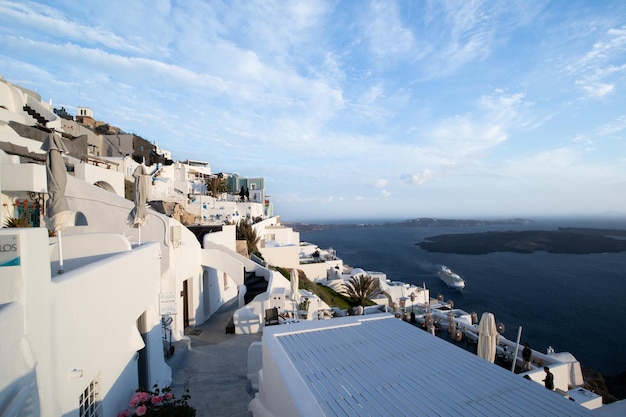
(500,327)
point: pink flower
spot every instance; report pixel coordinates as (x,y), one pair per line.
(140,397)
(169,396)
(141,410)
(156,400)
(134,400)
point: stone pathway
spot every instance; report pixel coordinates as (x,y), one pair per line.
(214,367)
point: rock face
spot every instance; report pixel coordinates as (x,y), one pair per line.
(611,388)
(175,211)
(616,385)
(564,240)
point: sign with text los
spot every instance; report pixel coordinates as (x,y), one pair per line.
(167,303)
(9,250)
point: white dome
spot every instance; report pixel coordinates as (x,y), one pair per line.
(357,271)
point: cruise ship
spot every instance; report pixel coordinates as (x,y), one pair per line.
(450,278)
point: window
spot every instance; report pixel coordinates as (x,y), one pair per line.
(90,401)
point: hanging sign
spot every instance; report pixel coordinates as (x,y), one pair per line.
(167,303)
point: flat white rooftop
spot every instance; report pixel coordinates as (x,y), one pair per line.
(380,366)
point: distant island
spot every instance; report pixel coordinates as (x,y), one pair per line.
(435,222)
(419,222)
(572,240)
(563,240)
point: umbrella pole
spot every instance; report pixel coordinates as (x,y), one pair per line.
(519,336)
(60,249)
(295,311)
(139,236)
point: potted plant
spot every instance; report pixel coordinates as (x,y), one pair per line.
(304,304)
(11,221)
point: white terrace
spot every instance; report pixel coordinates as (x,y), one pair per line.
(354,366)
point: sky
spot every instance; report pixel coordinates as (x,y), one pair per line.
(353,109)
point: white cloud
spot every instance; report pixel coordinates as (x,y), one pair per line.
(371,94)
(418,178)
(597,90)
(615,42)
(41,18)
(615,126)
(457,34)
(380,183)
(386,34)
(471,135)
(595,70)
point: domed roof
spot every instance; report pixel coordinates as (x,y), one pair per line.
(357,271)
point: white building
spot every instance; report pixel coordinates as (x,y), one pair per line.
(377,365)
(87,338)
(90,336)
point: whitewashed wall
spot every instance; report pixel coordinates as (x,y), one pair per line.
(93,174)
(316,271)
(284,256)
(82,325)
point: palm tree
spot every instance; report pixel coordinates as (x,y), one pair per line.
(359,289)
(216,185)
(246,232)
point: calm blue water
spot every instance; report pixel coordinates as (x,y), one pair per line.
(571,302)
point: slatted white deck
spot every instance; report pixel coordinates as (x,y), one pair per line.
(382,366)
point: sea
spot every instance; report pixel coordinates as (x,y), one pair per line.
(572,303)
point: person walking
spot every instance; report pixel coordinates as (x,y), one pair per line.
(549,381)
(527,353)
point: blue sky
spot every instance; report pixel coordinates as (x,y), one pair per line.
(354,109)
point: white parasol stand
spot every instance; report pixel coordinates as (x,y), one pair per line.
(519,337)
(58,213)
(139,213)
(294,279)
(487,337)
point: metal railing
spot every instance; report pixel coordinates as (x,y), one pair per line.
(168,347)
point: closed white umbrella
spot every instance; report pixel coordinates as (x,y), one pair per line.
(295,282)
(139,213)
(295,293)
(58,213)
(487,337)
